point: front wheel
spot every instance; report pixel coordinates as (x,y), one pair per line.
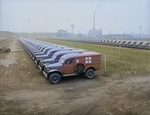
(90,73)
(54,78)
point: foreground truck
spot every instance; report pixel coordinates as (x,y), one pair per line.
(49,54)
(73,64)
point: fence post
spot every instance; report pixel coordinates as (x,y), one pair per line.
(104,64)
(119,47)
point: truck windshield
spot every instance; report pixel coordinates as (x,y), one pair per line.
(61,60)
(58,57)
(52,53)
(49,51)
(54,56)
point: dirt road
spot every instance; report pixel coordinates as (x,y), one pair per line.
(25,91)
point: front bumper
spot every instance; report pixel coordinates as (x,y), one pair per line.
(45,74)
(35,61)
(40,67)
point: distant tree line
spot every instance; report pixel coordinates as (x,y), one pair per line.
(61,33)
(6,34)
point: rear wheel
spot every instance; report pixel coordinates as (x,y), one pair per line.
(90,73)
(54,78)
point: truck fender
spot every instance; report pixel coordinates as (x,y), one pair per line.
(54,70)
(89,68)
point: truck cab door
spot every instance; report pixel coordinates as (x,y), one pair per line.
(68,67)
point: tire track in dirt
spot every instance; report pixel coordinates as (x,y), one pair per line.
(2,70)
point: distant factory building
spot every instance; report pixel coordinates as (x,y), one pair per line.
(94,33)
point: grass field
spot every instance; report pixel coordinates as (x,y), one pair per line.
(128,62)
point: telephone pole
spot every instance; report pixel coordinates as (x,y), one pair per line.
(140,32)
(100,33)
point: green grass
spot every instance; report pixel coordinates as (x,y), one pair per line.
(128,62)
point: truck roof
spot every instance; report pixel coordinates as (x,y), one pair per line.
(68,50)
(80,54)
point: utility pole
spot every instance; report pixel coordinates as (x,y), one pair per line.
(94,21)
(100,33)
(140,32)
(72,26)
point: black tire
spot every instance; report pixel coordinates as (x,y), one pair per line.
(54,78)
(80,68)
(90,73)
(8,50)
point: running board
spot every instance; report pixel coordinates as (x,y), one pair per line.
(65,75)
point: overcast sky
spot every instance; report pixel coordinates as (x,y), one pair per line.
(112,16)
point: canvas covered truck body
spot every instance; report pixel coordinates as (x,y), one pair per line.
(117,43)
(133,44)
(96,41)
(107,42)
(114,42)
(50,54)
(45,51)
(147,46)
(136,44)
(32,49)
(100,41)
(56,56)
(142,45)
(41,49)
(130,43)
(73,64)
(29,48)
(110,42)
(104,41)
(124,43)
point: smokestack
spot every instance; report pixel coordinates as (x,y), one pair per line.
(94,21)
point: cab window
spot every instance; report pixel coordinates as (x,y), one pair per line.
(68,62)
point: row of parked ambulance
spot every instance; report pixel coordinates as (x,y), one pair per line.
(57,61)
(121,43)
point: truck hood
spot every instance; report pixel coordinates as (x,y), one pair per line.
(50,67)
(55,65)
(47,60)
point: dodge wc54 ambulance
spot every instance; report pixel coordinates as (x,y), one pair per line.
(73,64)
